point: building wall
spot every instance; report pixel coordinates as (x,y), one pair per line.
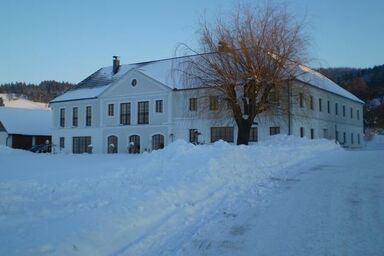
(146,89)
(81,105)
(203,118)
(3,138)
(325,123)
(177,119)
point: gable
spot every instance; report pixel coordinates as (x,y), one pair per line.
(126,86)
(2,128)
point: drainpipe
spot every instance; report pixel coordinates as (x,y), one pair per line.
(289,108)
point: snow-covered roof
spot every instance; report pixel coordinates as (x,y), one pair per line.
(82,93)
(318,80)
(26,121)
(164,72)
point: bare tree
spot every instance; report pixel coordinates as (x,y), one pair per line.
(249,58)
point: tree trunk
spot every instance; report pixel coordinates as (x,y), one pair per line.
(243,132)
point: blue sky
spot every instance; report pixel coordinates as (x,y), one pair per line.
(68,40)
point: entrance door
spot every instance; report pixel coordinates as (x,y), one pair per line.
(134,144)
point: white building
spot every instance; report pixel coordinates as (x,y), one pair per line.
(142,106)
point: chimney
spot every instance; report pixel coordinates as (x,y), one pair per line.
(116,64)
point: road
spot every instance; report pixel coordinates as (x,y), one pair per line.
(333,205)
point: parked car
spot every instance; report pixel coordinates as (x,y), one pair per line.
(41,148)
(36,148)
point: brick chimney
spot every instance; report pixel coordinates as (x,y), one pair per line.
(116,64)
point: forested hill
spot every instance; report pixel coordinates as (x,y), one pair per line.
(43,92)
(367,83)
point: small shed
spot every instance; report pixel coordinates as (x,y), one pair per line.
(23,128)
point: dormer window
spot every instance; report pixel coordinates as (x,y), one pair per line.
(134,82)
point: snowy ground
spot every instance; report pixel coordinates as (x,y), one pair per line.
(286,196)
(10,100)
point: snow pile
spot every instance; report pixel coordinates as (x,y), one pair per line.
(144,204)
(7,150)
(376,143)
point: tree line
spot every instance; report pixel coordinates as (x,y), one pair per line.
(42,92)
(367,83)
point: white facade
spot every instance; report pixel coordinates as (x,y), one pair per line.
(174,119)
(3,137)
(344,124)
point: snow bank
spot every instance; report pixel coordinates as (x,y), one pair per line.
(135,204)
(376,143)
(7,150)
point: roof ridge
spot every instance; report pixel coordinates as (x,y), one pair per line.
(159,60)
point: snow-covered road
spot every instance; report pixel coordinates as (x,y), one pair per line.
(334,205)
(283,196)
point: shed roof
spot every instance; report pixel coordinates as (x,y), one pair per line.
(26,121)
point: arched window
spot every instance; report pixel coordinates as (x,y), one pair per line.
(112,144)
(134,144)
(157,141)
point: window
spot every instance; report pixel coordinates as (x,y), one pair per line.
(143,112)
(343,110)
(336,109)
(274,130)
(311,102)
(328,107)
(352,137)
(273,98)
(301,100)
(192,104)
(358,115)
(213,103)
(302,134)
(75,116)
(344,138)
(62,117)
(351,113)
(125,113)
(320,105)
(88,116)
(253,136)
(134,144)
(157,141)
(111,109)
(81,144)
(337,136)
(222,133)
(312,133)
(159,106)
(358,138)
(62,141)
(112,144)
(325,133)
(193,136)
